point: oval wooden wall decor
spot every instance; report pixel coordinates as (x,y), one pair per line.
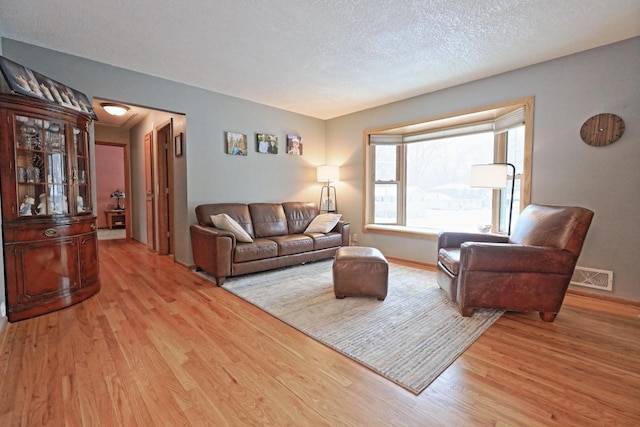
(602,129)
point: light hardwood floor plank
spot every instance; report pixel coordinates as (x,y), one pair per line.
(161,346)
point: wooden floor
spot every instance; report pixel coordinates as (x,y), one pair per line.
(159,346)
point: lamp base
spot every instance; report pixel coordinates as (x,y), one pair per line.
(328,202)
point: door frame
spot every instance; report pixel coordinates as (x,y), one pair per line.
(165,186)
(127,182)
(149,190)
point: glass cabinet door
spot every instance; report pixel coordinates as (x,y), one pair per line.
(41,166)
(81,171)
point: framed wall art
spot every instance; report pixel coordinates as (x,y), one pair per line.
(267,144)
(177,147)
(294,145)
(236,144)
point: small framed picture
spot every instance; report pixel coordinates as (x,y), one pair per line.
(267,144)
(294,145)
(236,144)
(177,147)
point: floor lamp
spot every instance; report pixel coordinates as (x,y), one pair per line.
(494,175)
(327,174)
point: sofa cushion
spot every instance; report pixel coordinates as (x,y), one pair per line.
(239,212)
(259,249)
(299,215)
(293,244)
(225,222)
(325,240)
(450,259)
(268,219)
(549,226)
(323,223)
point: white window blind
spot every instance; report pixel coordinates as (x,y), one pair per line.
(509,120)
(449,132)
(441,133)
(385,139)
(501,124)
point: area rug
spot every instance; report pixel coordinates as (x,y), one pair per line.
(410,338)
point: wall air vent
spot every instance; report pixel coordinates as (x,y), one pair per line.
(593,278)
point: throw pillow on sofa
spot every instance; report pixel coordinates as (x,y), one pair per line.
(323,223)
(225,222)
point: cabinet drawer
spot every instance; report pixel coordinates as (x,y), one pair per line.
(46,232)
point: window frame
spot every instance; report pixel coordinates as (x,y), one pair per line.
(444,121)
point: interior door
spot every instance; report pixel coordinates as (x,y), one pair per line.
(164,197)
(150,195)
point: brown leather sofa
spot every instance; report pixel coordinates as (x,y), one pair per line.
(277,230)
(527,271)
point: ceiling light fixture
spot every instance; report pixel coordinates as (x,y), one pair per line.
(115,109)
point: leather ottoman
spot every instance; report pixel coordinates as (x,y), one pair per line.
(360,271)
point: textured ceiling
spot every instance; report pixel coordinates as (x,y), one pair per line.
(322,58)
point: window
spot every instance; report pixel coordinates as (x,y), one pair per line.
(386,188)
(418,174)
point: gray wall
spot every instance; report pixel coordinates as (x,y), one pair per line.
(566,171)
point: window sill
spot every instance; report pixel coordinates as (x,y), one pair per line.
(402,231)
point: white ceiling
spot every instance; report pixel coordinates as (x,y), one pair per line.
(322,58)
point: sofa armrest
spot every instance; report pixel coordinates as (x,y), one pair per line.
(212,250)
(344,228)
(454,239)
(513,258)
(513,277)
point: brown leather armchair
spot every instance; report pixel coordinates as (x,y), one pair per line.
(527,271)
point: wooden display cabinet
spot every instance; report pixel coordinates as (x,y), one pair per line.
(48,223)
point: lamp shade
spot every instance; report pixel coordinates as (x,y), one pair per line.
(489,176)
(328,173)
(118,194)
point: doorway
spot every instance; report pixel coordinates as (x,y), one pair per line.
(112,188)
(154,171)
